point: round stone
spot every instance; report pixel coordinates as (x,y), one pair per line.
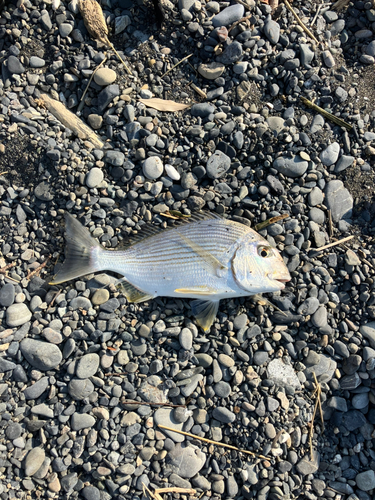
(80,389)
(222,389)
(224,415)
(211,71)
(100,296)
(105,76)
(94,178)
(34,461)
(41,355)
(87,366)
(95,121)
(81,421)
(7,293)
(153,167)
(18,314)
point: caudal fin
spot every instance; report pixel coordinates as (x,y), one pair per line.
(81,252)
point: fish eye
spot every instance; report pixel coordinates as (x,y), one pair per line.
(264,252)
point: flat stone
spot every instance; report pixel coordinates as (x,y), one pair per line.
(232,53)
(186,460)
(87,366)
(106,96)
(34,460)
(14,66)
(291,167)
(94,177)
(307,466)
(165,416)
(41,355)
(368,331)
(152,167)
(105,76)
(330,154)
(37,389)
(282,374)
(338,200)
(365,480)
(211,71)
(272,31)
(217,165)
(81,421)
(224,415)
(18,314)
(80,388)
(344,162)
(228,16)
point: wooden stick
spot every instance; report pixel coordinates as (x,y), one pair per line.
(4,269)
(212,442)
(4,173)
(299,21)
(198,90)
(71,121)
(81,103)
(175,66)
(326,114)
(175,489)
(335,243)
(316,16)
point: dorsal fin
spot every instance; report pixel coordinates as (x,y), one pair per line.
(149,230)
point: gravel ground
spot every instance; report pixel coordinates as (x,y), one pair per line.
(71,357)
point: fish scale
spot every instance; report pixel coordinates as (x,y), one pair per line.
(207,259)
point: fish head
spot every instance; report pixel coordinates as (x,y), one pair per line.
(257,267)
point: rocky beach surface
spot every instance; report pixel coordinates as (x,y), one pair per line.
(86,378)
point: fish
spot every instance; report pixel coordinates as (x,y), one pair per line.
(205,257)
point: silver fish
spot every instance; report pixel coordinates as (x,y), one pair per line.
(208,259)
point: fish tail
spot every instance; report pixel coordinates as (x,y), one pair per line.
(82,253)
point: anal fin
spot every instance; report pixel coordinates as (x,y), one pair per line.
(132,293)
(205,312)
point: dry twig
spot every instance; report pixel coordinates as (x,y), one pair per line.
(4,173)
(239,22)
(30,274)
(97,27)
(340,4)
(213,442)
(326,114)
(289,7)
(3,270)
(329,224)
(175,66)
(198,90)
(81,104)
(131,402)
(335,243)
(270,221)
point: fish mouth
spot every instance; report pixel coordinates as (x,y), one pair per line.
(281,281)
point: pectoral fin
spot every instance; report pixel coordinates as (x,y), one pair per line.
(213,264)
(197,290)
(205,312)
(132,293)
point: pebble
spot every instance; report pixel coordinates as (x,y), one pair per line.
(330,154)
(81,421)
(338,200)
(228,16)
(290,167)
(217,165)
(186,461)
(365,480)
(272,31)
(106,96)
(41,355)
(282,374)
(211,71)
(17,315)
(87,366)
(153,167)
(14,66)
(165,416)
(94,178)
(34,460)
(105,76)
(7,294)
(223,415)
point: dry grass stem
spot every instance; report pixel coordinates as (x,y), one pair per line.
(164,104)
(213,442)
(330,224)
(4,173)
(239,22)
(289,7)
(318,404)
(335,243)
(131,402)
(81,103)
(326,114)
(175,66)
(96,26)
(316,15)
(270,221)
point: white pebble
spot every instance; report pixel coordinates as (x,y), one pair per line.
(172,172)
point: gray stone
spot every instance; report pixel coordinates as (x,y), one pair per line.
(228,16)
(211,71)
(368,331)
(186,461)
(105,76)
(34,460)
(37,389)
(90,493)
(232,53)
(94,177)
(330,154)
(186,339)
(307,466)
(7,294)
(14,66)
(291,166)
(328,59)
(18,314)
(272,31)
(319,318)
(202,109)
(217,165)
(338,200)
(87,366)
(165,416)
(65,29)
(365,480)
(121,23)
(115,158)
(6,365)
(317,124)
(81,421)
(353,420)
(344,162)
(282,374)
(223,415)
(222,389)
(106,96)
(152,167)
(45,21)
(80,388)
(307,55)
(41,355)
